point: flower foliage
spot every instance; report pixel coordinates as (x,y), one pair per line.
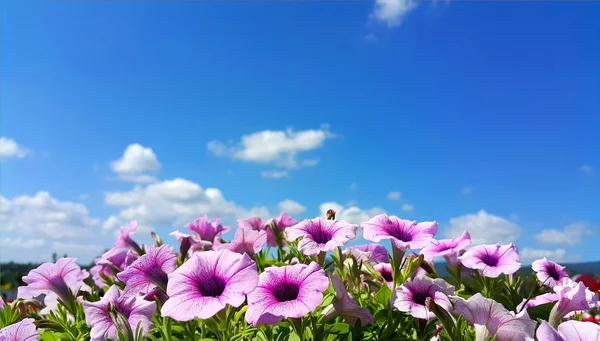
(281,279)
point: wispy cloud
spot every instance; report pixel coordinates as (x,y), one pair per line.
(392,12)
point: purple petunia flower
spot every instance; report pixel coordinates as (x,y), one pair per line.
(278,225)
(112,262)
(538,300)
(548,272)
(246,241)
(124,241)
(492,260)
(491,318)
(207,231)
(411,296)
(150,270)
(288,291)
(404,234)
(207,282)
(385,270)
(53,279)
(569,331)
(117,311)
(345,306)
(446,247)
(321,235)
(23,330)
(252,223)
(572,296)
(369,253)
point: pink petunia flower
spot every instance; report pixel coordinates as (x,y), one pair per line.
(207,282)
(404,234)
(491,318)
(112,262)
(446,247)
(289,291)
(252,223)
(569,331)
(117,311)
(321,235)
(124,241)
(246,241)
(345,306)
(150,270)
(572,296)
(492,260)
(385,270)
(411,297)
(279,225)
(369,253)
(53,278)
(23,330)
(538,300)
(549,273)
(207,231)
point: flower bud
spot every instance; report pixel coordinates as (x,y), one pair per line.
(156,238)
(120,321)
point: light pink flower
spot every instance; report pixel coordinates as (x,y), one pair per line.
(446,247)
(569,331)
(321,235)
(548,272)
(150,270)
(385,270)
(411,297)
(23,330)
(115,308)
(538,300)
(207,231)
(492,260)
(572,296)
(247,241)
(124,240)
(404,234)
(53,278)
(345,306)
(369,253)
(289,291)
(207,282)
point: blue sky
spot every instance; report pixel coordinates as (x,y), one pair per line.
(484,115)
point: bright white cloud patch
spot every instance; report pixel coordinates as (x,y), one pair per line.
(275,174)
(279,147)
(351,214)
(291,207)
(569,235)
(528,255)
(10,149)
(391,12)
(394,195)
(136,161)
(408,208)
(484,228)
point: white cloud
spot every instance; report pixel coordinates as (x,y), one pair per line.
(408,207)
(392,12)
(172,203)
(484,228)
(466,190)
(291,207)
(10,149)
(570,234)
(80,251)
(394,195)
(528,255)
(135,162)
(586,169)
(20,242)
(274,147)
(351,214)
(275,174)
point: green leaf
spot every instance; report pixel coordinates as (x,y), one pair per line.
(541,311)
(384,296)
(339,328)
(294,337)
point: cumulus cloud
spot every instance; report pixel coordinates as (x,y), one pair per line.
(569,235)
(352,214)
(408,207)
(528,255)
(136,161)
(275,174)
(276,147)
(391,12)
(394,195)
(484,228)
(10,149)
(291,207)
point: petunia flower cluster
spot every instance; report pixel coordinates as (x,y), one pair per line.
(284,279)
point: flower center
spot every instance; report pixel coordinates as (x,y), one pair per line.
(489,260)
(420,297)
(401,234)
(212,287)
(387,275)
(320,236)
(553,273)
(286,292)
(157,276)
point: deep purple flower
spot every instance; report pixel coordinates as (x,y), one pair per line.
(117,311)
(278,225)
(492,260)
(206,230)
(321,235)
(369,253)
(344,305)
(150,270)
(386,272)
(491,318)
(569,331)
(411,297)
(247,241)
(23,330)
(549,273)
(53,278)
(446,247)
(289,291)
(207,282)
(572,296)
(404,234)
